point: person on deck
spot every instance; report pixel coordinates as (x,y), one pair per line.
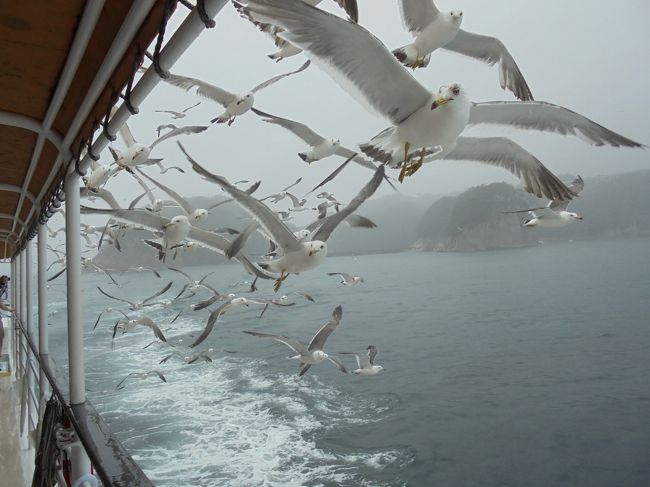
(4,280)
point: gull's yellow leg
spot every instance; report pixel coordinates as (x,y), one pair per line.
(402,173)
(279,281)
(417,165)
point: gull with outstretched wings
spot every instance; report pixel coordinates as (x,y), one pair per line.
(313,353)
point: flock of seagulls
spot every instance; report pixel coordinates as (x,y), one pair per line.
(425,124)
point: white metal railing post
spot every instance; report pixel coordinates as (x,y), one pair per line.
(21,339)
(29,317)
(80,461)
(43,341)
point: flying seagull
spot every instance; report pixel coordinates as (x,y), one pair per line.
(366,362)
(555,214)
(136,305)
(297,256)
(312,353)
(347,279)
(320,146)
(137,153)
(286,49)
(176,115)
(194,215)
(141,375)
(434,29)
(235,104)
(420,119)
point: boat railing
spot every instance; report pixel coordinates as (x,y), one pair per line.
(112,463)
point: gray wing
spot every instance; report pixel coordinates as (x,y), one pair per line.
(277,78)
(115,298)
(173,194)
(372,353)
(576,187)
(546,117)
(491,50)
(143,218)
(206,90)
(351,8)
(127,136)
(162,291)
(297,181)
(338,364)
(362,360)
(417,14)
(326,330)
(362,161)
(502,152)
(358,221)
(294,345)
(102,193)
(146,321)
(185,274)
(267,219)
(212,319)
(354,57)
(190,129)
(366,192)
(298,129)
(344,276)
(294,200)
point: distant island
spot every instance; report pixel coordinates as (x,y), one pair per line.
(613,207)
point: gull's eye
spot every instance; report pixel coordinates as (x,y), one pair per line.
(456,91)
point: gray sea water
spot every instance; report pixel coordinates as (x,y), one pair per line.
(526,367)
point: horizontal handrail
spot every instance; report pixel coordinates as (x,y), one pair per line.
(113,464)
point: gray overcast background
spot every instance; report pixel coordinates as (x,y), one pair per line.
(583,55)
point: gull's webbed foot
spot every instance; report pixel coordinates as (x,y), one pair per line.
(279,281)
(402,173)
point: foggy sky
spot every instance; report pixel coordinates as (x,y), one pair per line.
(583,55)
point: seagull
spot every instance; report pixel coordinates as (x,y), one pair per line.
(176,230)
(194,215)
(141,375)
(190,359)
(347,279)
(136,305)
(173,230)
(98,176)
(420,118)
(102,193)
(297,257)
(282,300)
(109,310)
(366,362)
(298,205)
(191,286)
(177,115)
(555,214)
(137,153)
(434,29)
(286,49)
(313,353)
(277,197)
(53,233)
(320,146)
(126,325)
(235,104)
(359,61)
(232,304)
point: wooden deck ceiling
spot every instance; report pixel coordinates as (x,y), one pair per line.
(36,39)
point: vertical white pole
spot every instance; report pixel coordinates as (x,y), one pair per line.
(29,318)
(21,339)
(43,342)
(80,461)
